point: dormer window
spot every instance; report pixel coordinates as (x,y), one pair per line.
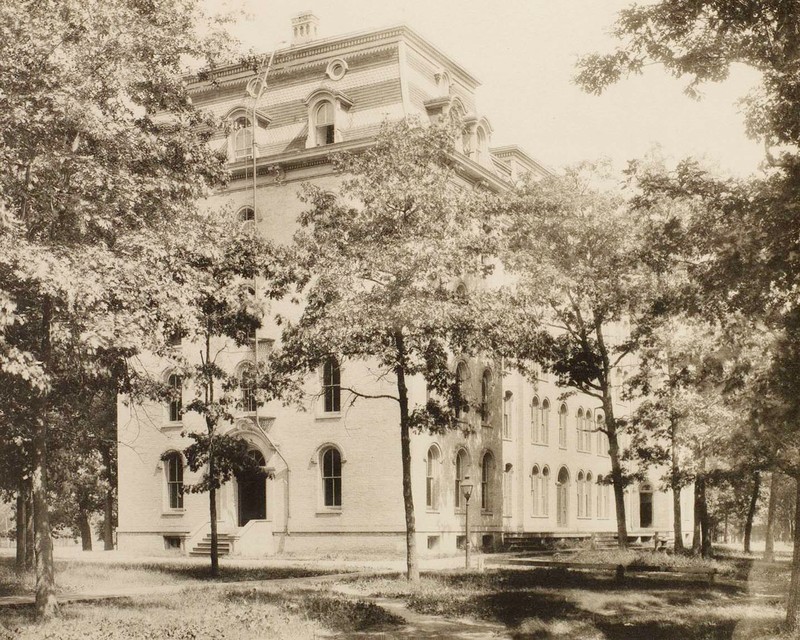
(327,113)
(242,138)
(324,123)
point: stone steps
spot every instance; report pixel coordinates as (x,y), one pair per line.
(203,548)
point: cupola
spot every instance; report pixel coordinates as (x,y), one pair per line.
(304,27)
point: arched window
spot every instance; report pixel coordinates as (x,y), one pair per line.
(587,495)
(545,485)
(536,421)
(461,389)
(507,412)
(579,428)
(331,466)
(600,491)
(461,475)
(247,387)
(487,469)
(486,386)
(545,421)
(562,497)
(536,490)
(246,214)
(645,506)
(581,492)
(432,479)
(602,437)
(562,426)
(332,385)
(175,408)
(242,138)
(173,467)
(324,124)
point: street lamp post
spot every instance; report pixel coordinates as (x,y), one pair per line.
(466,490)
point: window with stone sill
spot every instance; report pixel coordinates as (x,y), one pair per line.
(331,386)
(175,405)
(173,471)
(331,477)
(242,138)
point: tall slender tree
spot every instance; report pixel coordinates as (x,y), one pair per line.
(577,258)
(384,255)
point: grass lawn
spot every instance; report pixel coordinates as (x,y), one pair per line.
(204,614)
(553,603)
(746,602)
(81,576)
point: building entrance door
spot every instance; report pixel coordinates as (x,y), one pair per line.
(252,493)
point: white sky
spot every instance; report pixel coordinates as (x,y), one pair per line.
(524,52)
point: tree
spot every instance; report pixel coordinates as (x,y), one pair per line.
(384,256)
(88,174)
(219,266)
(748,261)
(576,255)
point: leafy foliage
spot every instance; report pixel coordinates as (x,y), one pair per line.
(383,258)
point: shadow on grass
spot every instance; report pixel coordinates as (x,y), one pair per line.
(336,612)
(555,603)
(184,572)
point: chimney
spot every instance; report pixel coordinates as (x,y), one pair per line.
(304,27)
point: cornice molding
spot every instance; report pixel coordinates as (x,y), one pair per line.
(285,57)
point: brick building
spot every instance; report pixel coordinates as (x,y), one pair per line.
(336,467)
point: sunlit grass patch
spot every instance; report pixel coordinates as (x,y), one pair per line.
(81,576)
(200,613)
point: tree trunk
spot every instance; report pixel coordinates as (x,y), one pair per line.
(30,533)
(616,474)
(85,528)
(751,511)
(793,605)
(108,521)
(405,452)
(705,521)
(677,515)
(108,500)
(675,482)
(46,603)
(212,508)
(22,538)
(769,542)
(697,534)
(212,492)
(613,441)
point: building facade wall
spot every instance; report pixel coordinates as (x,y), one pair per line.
(390,74)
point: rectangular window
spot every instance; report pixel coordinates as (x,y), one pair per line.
(172,543)
(174,464)
(331,385)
